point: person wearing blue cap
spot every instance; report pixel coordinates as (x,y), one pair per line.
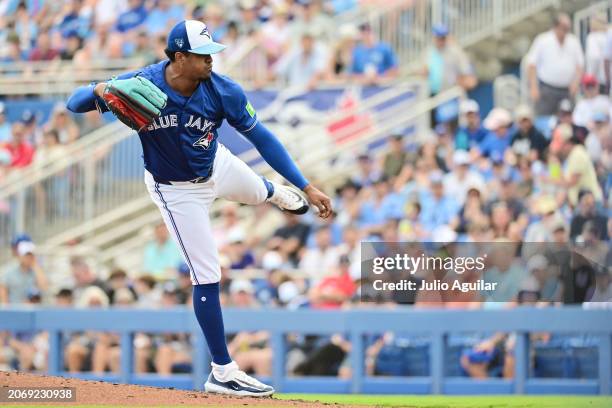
(447,64)
(187,168)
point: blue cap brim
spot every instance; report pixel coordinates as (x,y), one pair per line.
(208,49)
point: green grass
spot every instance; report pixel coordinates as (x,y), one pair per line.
(427,401)
(446,401)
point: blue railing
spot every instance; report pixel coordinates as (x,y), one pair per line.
(356,324)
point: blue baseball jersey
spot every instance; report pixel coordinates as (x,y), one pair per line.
(180,145)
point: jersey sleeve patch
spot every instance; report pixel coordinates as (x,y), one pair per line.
(250,109)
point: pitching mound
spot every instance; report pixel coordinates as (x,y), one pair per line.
(104,393)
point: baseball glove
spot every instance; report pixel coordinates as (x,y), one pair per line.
(135,101)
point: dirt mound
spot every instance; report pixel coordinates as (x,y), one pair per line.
(104,393)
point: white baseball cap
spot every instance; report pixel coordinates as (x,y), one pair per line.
(461,157)
(25,247)
(469,106)
(192,36)
(241,285)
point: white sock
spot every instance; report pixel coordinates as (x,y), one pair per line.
(223,372)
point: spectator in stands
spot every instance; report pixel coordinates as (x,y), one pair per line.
(542,230)
(527,140)
(602,290)
(335,288)
(304,65)
(495,143)
(565,116)
(373,60)
(118,282)
(161,255)
(21,151)
(461,179)
(470,132)
(79,351)
(599,143)
(591,103)
(579,171)
(318,261)
(249,349)
(276,33)
(5,126)
(27,275)
(438,209)
(50,147)
(63,123)
(378,206)
(183,284)
(143,49)
(447,64)
(64,298)
(341,61)
(50,197)
(308,16)
(595,50)
(239,252)
(163,16)
(73,44)
(472,216)
(503,269)
(44,50)
(106,354)
(367,172)
(249,21)
(12,52)
(396,156)
(132,18)
(290,238)
(25,27)
(75,18)
(84,278)
(587,212)
(555,66)
(149,296)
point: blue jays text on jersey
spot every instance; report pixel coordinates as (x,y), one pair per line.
(181,144)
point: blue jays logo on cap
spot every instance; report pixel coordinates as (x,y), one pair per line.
(193,36)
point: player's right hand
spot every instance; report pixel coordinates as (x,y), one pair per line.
(319,200)
(535,94)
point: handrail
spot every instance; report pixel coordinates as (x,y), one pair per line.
(76,152)
(582,17)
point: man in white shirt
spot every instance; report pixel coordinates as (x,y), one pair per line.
(555,66)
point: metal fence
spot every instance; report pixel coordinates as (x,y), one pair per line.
(582,18)
(436,325)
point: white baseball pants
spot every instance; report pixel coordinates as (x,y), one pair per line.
(185,210)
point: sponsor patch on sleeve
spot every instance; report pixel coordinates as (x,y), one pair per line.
(250,109)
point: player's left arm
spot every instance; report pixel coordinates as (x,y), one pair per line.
(241,115)
(275,154)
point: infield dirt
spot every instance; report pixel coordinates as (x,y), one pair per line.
(121,395)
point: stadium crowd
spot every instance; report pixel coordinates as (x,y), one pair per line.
(506,178)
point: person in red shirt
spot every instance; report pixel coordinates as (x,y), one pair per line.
(22,152)
(335,289)
(43,51)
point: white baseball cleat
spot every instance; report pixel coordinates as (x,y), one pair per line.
(238,383)
(288,199)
